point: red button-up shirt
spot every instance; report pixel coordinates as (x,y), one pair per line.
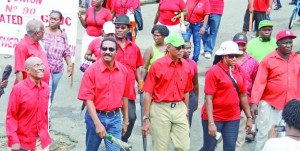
(26,49)
(131,57)
(27,115)
(277,80)
(167,81)
(104,87)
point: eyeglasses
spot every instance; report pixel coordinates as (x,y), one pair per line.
(108,48)
(231,56)
(36,66)
(180,47)
(122,27)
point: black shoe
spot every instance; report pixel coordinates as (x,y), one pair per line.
(292,3)
(277,7)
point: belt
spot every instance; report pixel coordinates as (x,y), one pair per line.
(108,113)
(171,104)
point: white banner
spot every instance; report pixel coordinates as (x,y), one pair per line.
(14,14)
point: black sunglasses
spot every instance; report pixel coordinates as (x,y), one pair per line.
(109,48)
(180,47)
(232,56)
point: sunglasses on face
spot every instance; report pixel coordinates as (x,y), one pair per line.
(231,56)
(110,49)
(180,47)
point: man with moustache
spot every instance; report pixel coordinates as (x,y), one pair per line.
(166,101)
(129,54)
(105,89)
(264,44)
(30,46)
(27,111)
(277,81)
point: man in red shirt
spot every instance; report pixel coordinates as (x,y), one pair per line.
(277,81)
(105,89)
(27,111)
(167,90)
(129,54)
(30,46)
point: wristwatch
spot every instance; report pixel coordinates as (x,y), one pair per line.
(146,117)
(125,123)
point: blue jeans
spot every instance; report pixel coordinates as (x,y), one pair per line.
(192,104)
(112,126)
(54,79)
(211,32)
(229,131)
(87,3)
(194,30)
(278,3)
(132,119)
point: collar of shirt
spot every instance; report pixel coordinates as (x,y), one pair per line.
(103,67)
(128,42)
(29,40)
(170,60)
(275,54)
(227,68)
(31,84)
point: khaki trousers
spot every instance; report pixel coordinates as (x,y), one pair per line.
(242,132)
(169,121)
(267,116)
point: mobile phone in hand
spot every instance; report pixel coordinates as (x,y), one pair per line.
(280,128)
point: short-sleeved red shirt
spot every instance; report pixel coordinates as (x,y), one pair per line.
(226,100)
(103,16)
(27,115)
(167,9)
(167,81)
(131,57)
(94,46)
(28,48)
(104,87)
(197,9)
(121,7)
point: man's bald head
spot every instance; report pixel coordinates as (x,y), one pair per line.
(31,61)
(33,26)
(34,68)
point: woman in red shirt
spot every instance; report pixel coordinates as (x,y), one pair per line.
(197,17)
(168,14)
(95,17)
(225,96)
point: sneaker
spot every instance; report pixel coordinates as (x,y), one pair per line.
(202,52)
(207,55)
(277,7)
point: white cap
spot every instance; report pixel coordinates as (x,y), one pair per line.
(228,47)
(109,27)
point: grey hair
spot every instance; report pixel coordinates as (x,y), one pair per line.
(33,26)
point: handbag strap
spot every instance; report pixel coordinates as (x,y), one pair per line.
(234,83)
(95,20)
(193,11)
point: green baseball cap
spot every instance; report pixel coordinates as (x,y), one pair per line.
(265,23)
(175,39)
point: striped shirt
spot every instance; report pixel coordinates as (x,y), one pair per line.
(57,48)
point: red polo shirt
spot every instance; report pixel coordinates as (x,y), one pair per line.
(94,46)
(27,115)
(131,57)
(104,87)
(197,9)
(216,6)
(26,49)
(167,8)
(277,80)
(167,81)
(226,100)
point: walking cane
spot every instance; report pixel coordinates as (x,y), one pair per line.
(141,83)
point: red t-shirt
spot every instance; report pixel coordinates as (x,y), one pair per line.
(103,16)
(28,48)
(27,115)
(94,46)
(216,6)
(168,82)
(104,87)
(121,6)
(226,100)
(131,57)
(167,9)
(197,9)
(193,67)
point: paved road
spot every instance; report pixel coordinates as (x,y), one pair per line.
(67,125)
